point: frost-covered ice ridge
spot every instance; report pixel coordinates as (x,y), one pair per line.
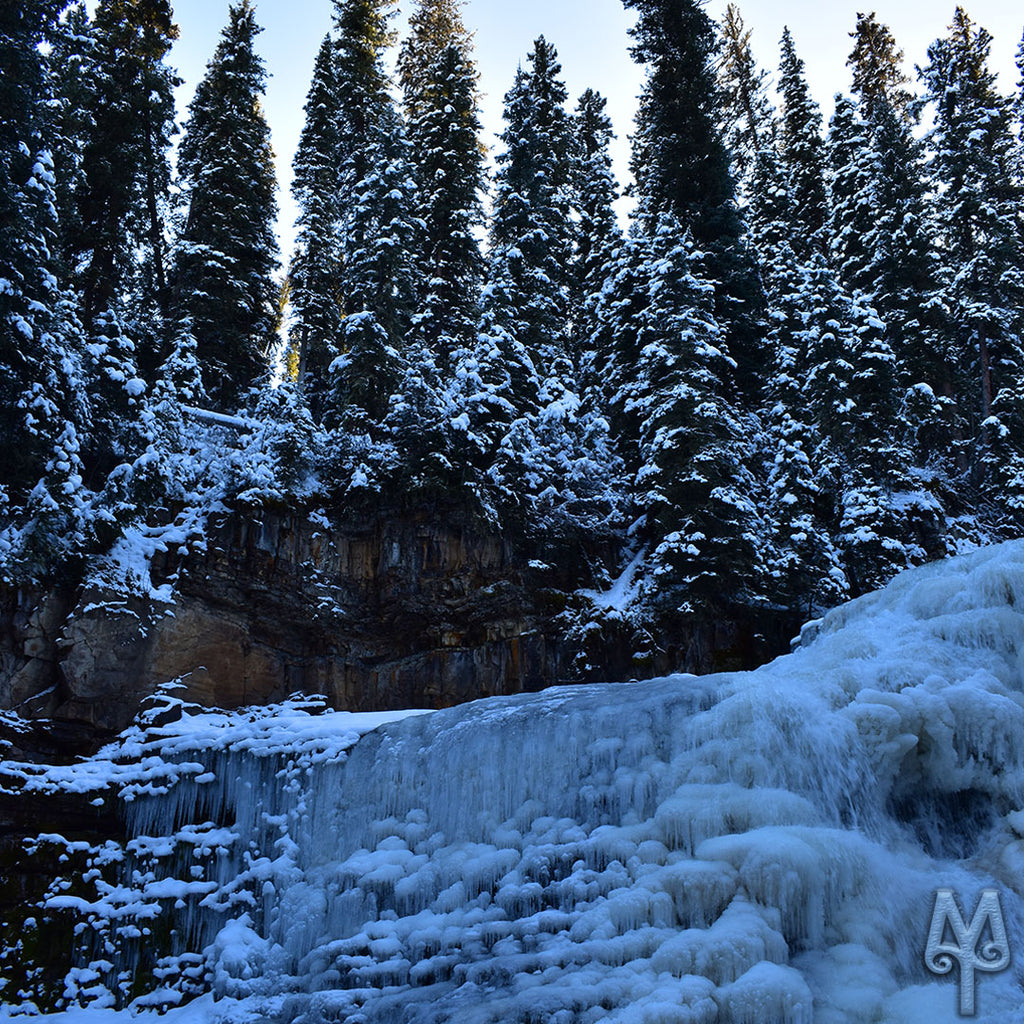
(750,848)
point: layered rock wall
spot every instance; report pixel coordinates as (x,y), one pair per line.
(404,611)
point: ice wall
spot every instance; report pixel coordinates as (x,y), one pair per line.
(756,847)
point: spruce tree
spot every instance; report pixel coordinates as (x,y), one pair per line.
(532,230)
(439,83)
(771,228)
(877,64)
(881,243)
(227,254)
(804,568)
(681,166)
(377,227)
(42,382)
(315,269)
(803,152)
(70,68)
(598,234)
(525,333)
(691,478)
(1019,61)
(119,244)
(748,117)
(976,217)
(852,174)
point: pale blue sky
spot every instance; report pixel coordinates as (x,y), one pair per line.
(591,37)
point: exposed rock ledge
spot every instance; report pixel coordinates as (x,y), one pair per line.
(404,612)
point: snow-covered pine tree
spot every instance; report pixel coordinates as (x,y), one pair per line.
(532,230)
(1019,61)
(549,445)
(976,220)
(881,247)
(41,378)
(771,228)
(598,236)
(119,241)
(850,160)
(691,479)
(69,66)
(877,63)
(747,115)
(314,272)
(439,83)
(681,167)
(525,332)
(227,253)
(377,230)
(803,153)
(848,372)
(802,565)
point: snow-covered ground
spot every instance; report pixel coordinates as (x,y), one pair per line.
(757,847)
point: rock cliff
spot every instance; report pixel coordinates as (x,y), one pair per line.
(402,611)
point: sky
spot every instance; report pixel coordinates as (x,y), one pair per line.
(592,40)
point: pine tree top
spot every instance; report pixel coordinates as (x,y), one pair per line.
(434,26)
(877,65)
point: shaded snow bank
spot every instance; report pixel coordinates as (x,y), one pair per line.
(755,847)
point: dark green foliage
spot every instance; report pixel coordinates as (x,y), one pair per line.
(803,152)
(681,167)
(40,343)
(748,117)
(877,64)
(118,239)
(439,83)
(316,263)
(378,231)
(977,227)
(532,233)
(598,234)
(227,253)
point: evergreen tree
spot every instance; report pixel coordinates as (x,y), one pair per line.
(803,152)
(434,27)
(315,270)
(1019,61)
(877,65)
(852,174)
(377,229)
(747,113)
(771,228)
(439,82)
(804,567)
(41,373)
(691,479)
(525,337)
(976,219)
(596,192)
(119,244)
(70,66)
(880,240)
(532,230)
(681,166)
(227,254)
(599,237)
(900,272)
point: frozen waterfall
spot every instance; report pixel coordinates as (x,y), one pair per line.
(748,848)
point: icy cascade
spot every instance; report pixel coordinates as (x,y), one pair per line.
(756,847)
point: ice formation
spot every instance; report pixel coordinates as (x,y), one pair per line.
(748,848)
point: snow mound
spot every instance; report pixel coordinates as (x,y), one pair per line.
(756,847)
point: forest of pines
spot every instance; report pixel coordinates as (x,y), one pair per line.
(796,371)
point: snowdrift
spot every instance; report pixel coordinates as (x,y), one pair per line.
(758,847)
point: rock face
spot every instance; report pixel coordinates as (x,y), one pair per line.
(403,612)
